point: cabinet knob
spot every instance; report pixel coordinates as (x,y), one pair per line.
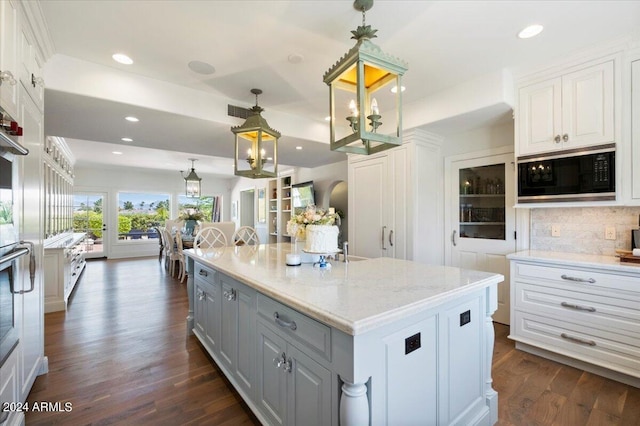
(7,76)
(279,361)
(230,295)
(557,139)
(565,137)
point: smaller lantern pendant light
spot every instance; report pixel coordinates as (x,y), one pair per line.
(259,142)
(192,182)
(356,84)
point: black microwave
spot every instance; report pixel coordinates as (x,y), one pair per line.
(578,175)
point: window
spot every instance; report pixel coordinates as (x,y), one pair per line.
(138,213)
(209,206)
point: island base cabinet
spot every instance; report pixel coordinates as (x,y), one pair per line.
(292,388)
(461,369)
(432,367)
(237,322)
(207,313)
(411,366)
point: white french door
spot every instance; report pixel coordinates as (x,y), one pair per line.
(89,216)
(482,219)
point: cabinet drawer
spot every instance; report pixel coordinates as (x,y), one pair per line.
(621,315)
(584,342)
(577,278)
(204,272)
(313,334)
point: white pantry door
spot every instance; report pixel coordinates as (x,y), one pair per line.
(482,219)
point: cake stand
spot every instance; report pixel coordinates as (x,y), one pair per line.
(322,262)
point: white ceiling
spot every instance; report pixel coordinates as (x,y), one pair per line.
(249,43)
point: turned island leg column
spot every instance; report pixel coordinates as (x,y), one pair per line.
(190,320)
(491,396)
(354,404)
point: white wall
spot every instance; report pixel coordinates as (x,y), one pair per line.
(324,179)
(118,179)
(480,139)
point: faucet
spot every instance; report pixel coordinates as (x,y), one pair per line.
(345,251)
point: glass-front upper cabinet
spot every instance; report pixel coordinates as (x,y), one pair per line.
(481,203)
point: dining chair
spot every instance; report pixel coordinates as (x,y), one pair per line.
(159,230)
(170,253)
(182,264)
(245,235)
(227,228)
(209,238)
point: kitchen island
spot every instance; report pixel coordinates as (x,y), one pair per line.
(378,341)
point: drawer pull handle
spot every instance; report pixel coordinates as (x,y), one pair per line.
(578,307)
(203,273)
(580,280)
(201,295)
(286,324)
(578,340)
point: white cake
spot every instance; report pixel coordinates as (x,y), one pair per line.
(321,239)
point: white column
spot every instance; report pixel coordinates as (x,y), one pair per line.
(491,396)
(354,404)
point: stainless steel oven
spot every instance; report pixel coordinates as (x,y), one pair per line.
(11,248)
(579,175)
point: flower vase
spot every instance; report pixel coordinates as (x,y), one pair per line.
(189,226)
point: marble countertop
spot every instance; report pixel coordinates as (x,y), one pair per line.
(353,297)
(611,263)
(64,241)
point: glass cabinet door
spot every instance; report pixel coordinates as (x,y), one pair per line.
(481,202)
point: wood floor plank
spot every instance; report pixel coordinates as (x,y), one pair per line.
(121,355)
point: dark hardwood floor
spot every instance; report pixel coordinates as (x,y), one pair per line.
(121,355)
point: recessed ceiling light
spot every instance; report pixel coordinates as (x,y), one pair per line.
(394,89)
(201,67)
(531,31)
(116,152)
(127,140)
(122,58)
(298,147)
(132,119)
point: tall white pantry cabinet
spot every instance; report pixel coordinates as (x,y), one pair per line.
(395,201)
(21,94)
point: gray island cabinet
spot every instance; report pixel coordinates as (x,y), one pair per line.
(377,341)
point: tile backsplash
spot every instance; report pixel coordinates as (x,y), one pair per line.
(582,230)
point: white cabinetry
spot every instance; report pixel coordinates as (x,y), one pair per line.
(31,68)
(394,201)
(32,361)
(63,264)
(572,110)
(9,57)
(635,128)
(586,316)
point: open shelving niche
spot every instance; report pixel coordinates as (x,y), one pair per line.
(279,195)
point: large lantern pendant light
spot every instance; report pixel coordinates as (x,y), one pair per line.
(256,146)
(192,182)
(365,105)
